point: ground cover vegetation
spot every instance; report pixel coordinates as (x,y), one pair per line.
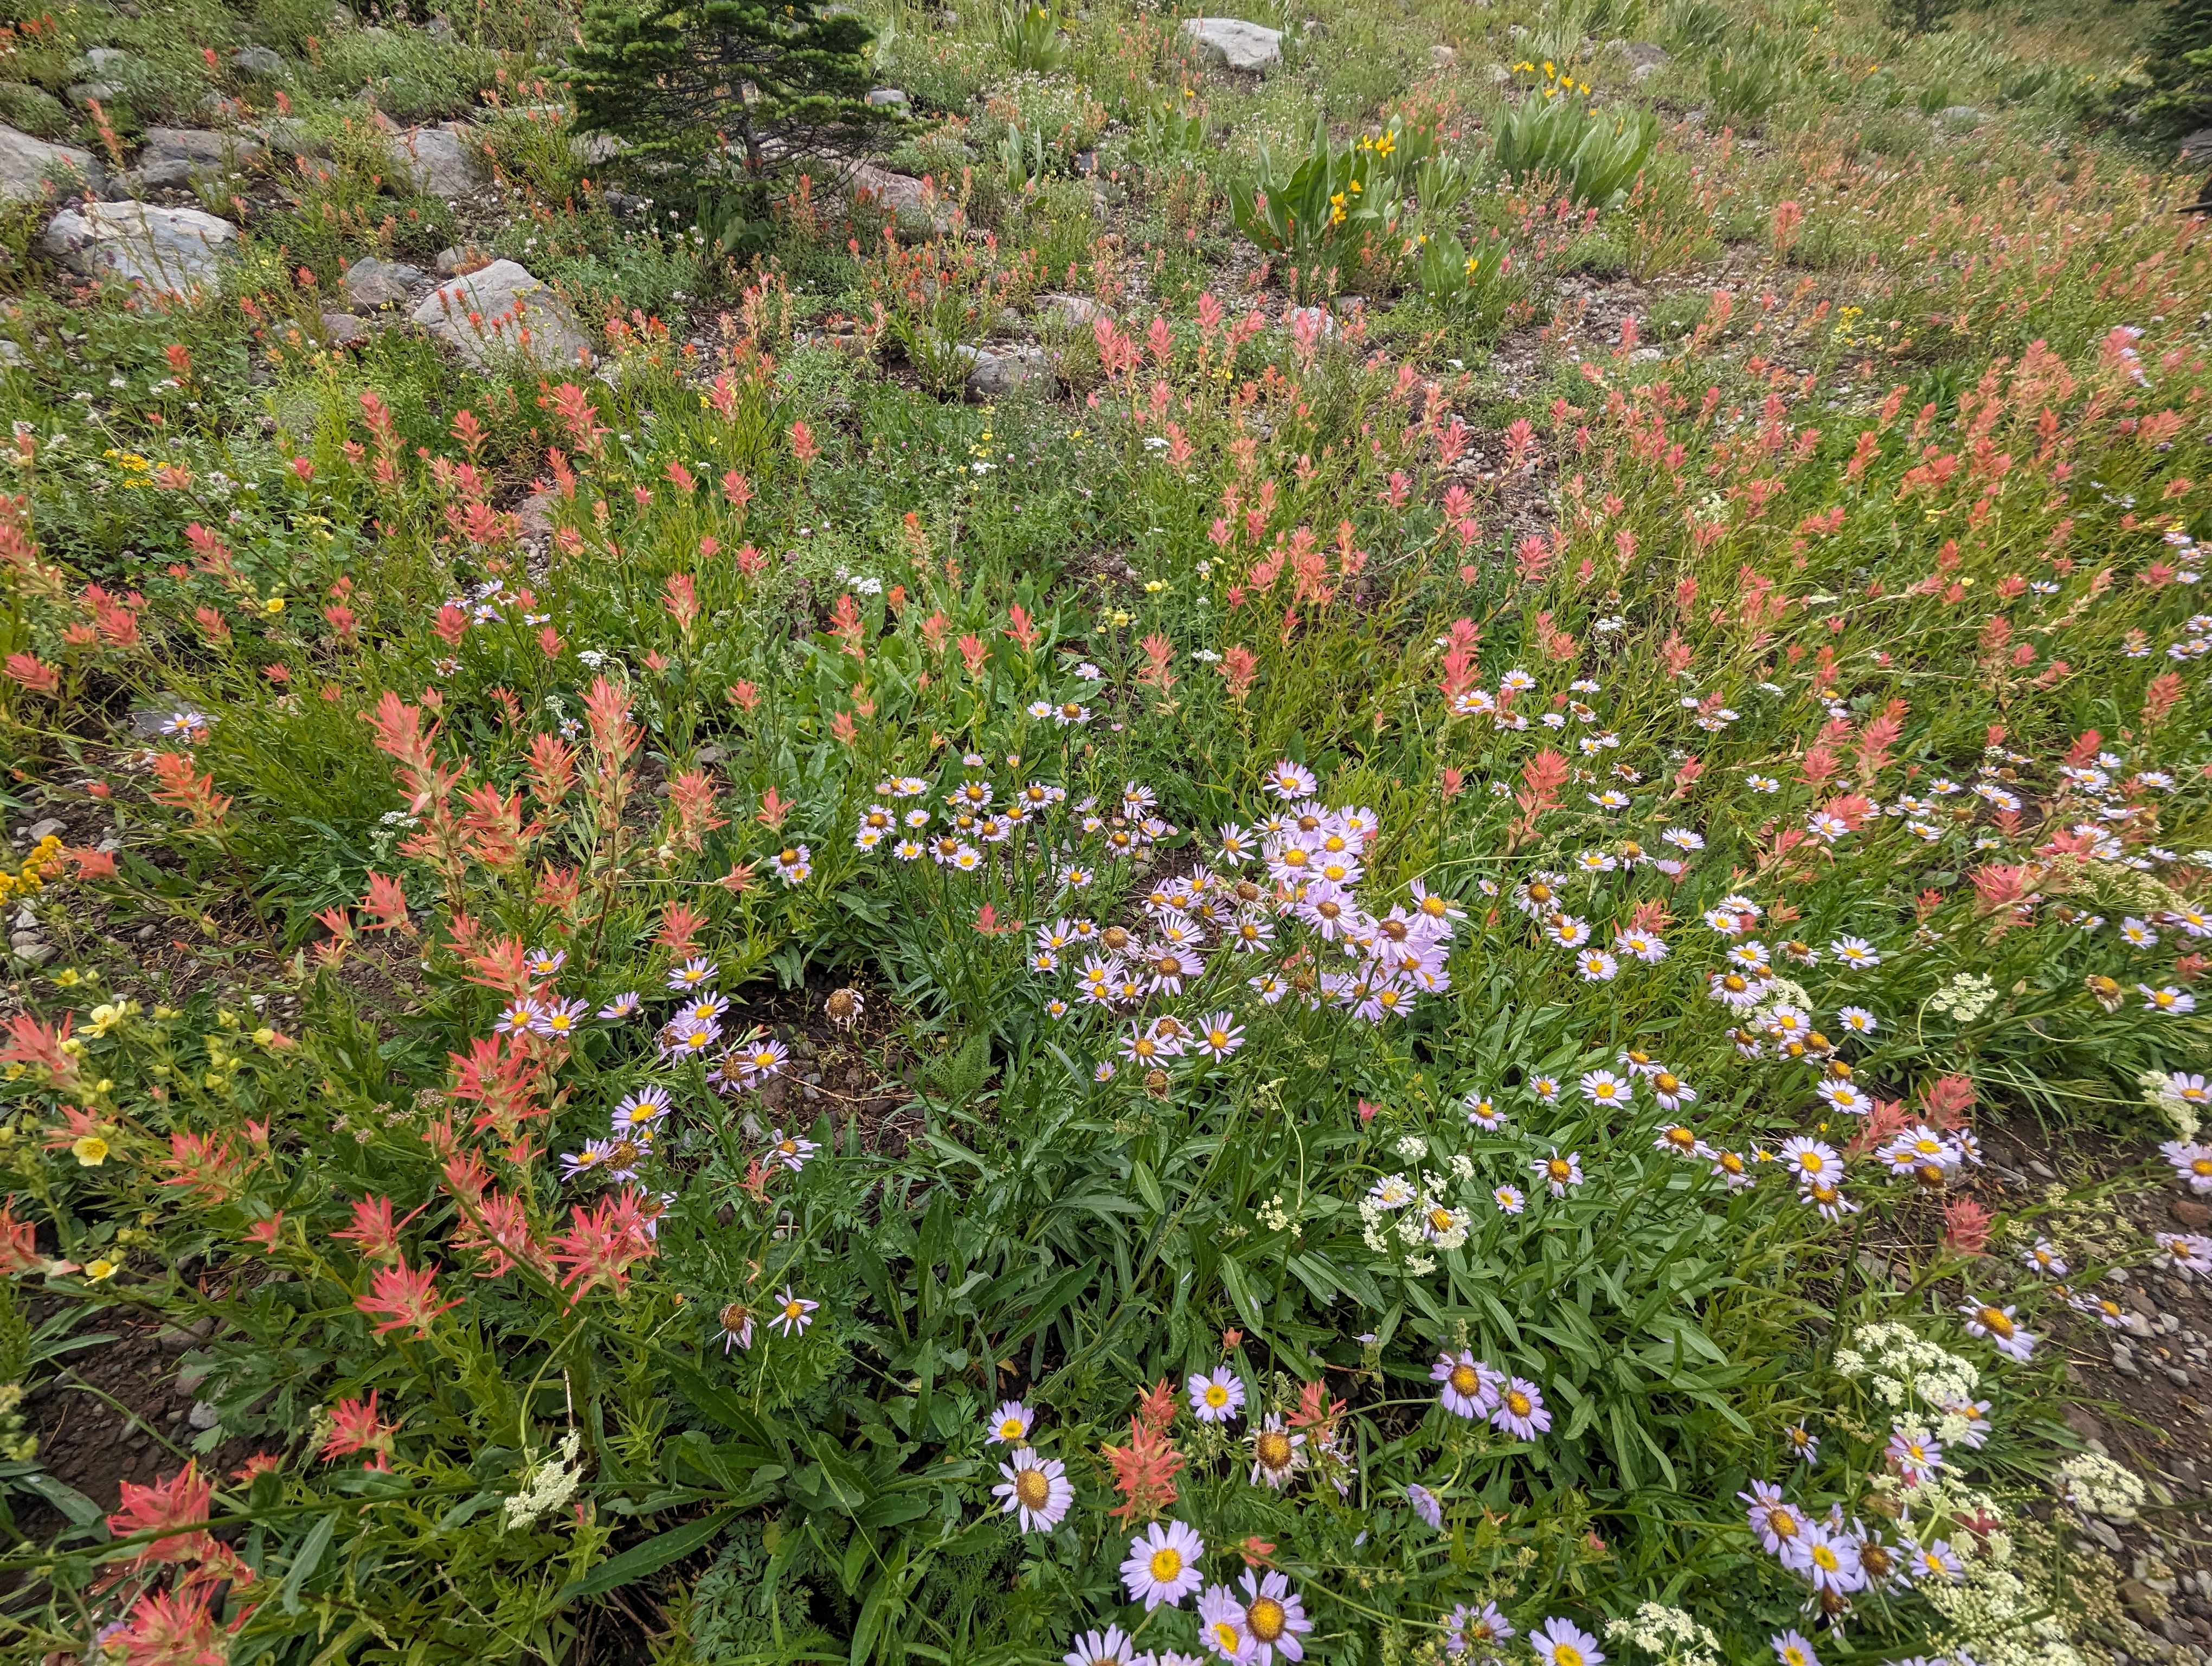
(1372,834)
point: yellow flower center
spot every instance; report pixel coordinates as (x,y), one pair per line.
(1266,1619)
(1216,1395)
(1465,1380)
(1032,1490)
(1997,1324)
(1167,1563)
(1010,1429)
(1565,1654)
(1272,1448)
(1516,1402)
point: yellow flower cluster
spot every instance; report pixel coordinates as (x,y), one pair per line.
(135,469)
(30,876)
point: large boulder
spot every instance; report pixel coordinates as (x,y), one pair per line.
(1233,43)
(174,250)
(30,168)
(502,311)
(436,161)
(178,156)
(915,204)
(203,148)
(371,284)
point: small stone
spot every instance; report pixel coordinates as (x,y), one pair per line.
(2188,1212)
(258,61)
(145,934)
(189,1379)
(887,98)
(177,1338)
(203,1415)
(2040,1170)
(1646,58)
(1442,56)
(38,954)
(535,514)
(97,58)
(39,829)
(344,330)
(2102,1532)
(2178,1377)
(994,372)
(1960,115)
(1233,43)
(2124,1362)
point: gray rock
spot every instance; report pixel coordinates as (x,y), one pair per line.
(1442,56)
(887,98)
(344,330)
(2196,150)
(1069,312)
(97,58)
(504,309)
(258,61)
(203,1415)
(35,954)
(915,206)
(86,93)
(206,151)
(436,161)
(164,248)
(534,514)
(371,282)
(448,263)
(31,168)
(2102,1534)
(1961,115)
(1233,43)
(289,136)
(1645,56)
(994,372)
(39,829)
(171,176)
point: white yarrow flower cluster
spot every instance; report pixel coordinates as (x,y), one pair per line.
(1965,997)
(1668,1634)
(2101,1486)
(1901,1369)
(547,1486)
(2158,1091)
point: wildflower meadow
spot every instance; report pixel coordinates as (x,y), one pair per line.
(1369,834)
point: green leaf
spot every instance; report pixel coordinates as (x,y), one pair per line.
(654,1555)
(67,1499)
(304,1561)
